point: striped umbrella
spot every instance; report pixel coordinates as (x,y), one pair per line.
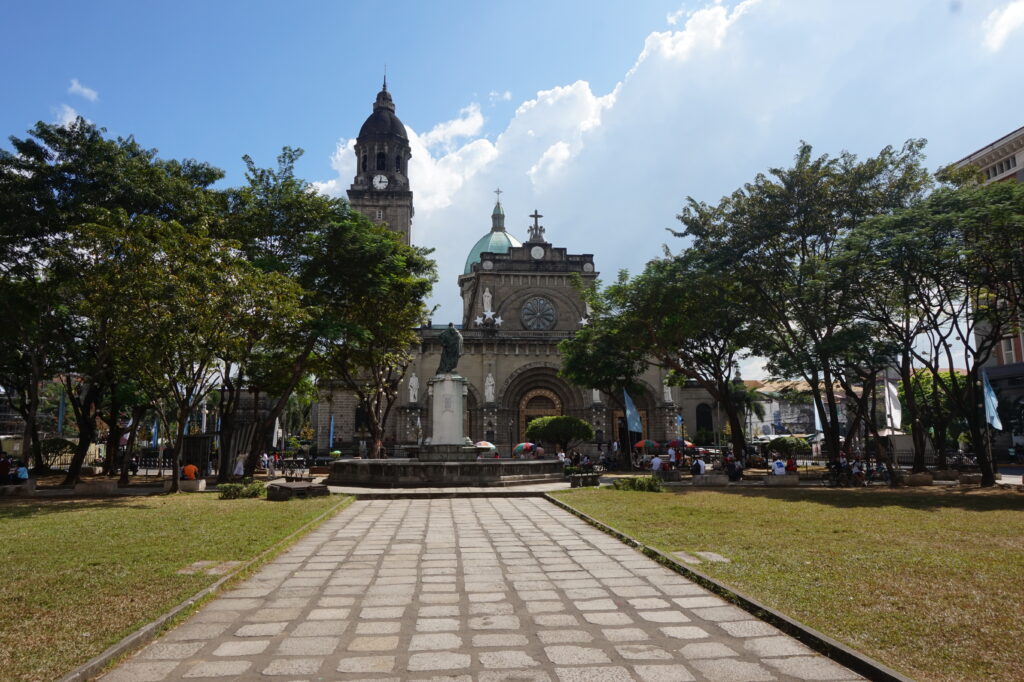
(523,447)
(646,445)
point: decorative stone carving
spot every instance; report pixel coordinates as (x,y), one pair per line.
(538,314)
(489,388)
(414,388)
(487,299)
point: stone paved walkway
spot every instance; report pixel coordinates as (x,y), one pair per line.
(471,589)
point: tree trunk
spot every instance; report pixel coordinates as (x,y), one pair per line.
(179,443)
(138,414)
(739,442)
(916,425)
(85,406)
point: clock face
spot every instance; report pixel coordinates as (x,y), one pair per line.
(380,182)
(538,314)
(537,252)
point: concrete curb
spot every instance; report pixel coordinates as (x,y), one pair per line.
(151,630)
(823,644)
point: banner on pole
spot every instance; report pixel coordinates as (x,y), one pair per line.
(991,403)
(632,416)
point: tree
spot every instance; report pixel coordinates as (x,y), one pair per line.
(779,236)
(371,355)
(566,431)
(603,354)
(686,317)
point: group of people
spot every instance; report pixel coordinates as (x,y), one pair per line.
(12,471)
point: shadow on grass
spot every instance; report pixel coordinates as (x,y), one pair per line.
(14,509)
(967,499)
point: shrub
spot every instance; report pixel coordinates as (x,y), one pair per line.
(234,491)
(646,484)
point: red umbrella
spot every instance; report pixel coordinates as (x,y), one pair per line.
(679,443)
(646,444)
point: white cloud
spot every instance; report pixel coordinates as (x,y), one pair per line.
(77,88)
(468,123)
(704,28)
(672,18)
(496,96)
(1001,22)
(65,115)
(700,111)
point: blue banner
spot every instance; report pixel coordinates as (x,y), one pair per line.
(632,416)
(991,403)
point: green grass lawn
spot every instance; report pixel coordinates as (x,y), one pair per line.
(927,582)
(78,575)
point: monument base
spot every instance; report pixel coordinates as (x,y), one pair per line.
(411,473)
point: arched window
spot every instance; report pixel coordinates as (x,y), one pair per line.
(398,163)
(364,163)
(382,161)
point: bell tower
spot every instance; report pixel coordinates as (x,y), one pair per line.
(380,190)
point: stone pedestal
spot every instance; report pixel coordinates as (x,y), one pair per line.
(447,408)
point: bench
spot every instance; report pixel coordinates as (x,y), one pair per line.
(584,480)
(711,480)
(280,492)
(186,486)
(785,481)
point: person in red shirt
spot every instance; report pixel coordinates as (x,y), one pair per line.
(189,472)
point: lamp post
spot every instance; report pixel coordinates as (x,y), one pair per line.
(511,441)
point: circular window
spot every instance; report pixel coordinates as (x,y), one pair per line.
(538,314)
(588,267)
(488,265)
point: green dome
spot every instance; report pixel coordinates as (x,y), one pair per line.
(492,242)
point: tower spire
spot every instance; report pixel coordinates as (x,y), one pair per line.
(385,87)
(498,215)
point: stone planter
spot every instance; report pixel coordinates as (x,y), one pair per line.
(670,476)
(711,480)
(102,487)
(970,479)
(195,486)
(786,481)
(26,489)
(917,480)
(946,475)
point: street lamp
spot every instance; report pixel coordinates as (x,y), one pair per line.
(511,442)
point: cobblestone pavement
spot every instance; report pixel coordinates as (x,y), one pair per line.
(484,589)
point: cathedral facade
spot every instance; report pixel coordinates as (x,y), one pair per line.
(518,304)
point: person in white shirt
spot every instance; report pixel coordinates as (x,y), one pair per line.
(656,465)
(672,456)
(698,468)
(778,467)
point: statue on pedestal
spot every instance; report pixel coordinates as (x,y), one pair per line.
(489,388)
(487,299)
(451,349)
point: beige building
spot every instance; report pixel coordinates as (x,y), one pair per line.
(518,304)
(1003,161)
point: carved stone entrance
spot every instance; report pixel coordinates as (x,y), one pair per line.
(539,402)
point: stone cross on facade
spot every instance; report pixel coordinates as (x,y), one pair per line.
(536,230)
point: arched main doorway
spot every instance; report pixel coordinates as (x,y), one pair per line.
(539,402)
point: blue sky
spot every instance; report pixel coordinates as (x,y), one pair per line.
(604,115)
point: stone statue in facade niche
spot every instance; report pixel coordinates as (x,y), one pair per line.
(414,388)
(489,388)
(487,300)
(451,349)
(667,393)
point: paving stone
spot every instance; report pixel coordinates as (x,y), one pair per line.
(494,623)
(553,620)
(721,613)
(649,603)
(366,664)
(438,661)
(642,652)
(203,631)
(271,615)
(732,670)
(175,650)
(382,612)
(748,628)
(243,647)
(603,674)
(608,618)
(560,637)
(685,632)
(293,666)
(663,673)
(500,640)
(386,643)
(810,668)
(437,624)
(575,655)
(494,609)
(378,627)
(320,628)
(545,606)
(506,659)
(141,671)
(218,669)
(664,616)
(261,629)
(625,634)
(780,645)
(513,676)
(308,646)
(595,605)
(706,650)
(435,640)
(438,610)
